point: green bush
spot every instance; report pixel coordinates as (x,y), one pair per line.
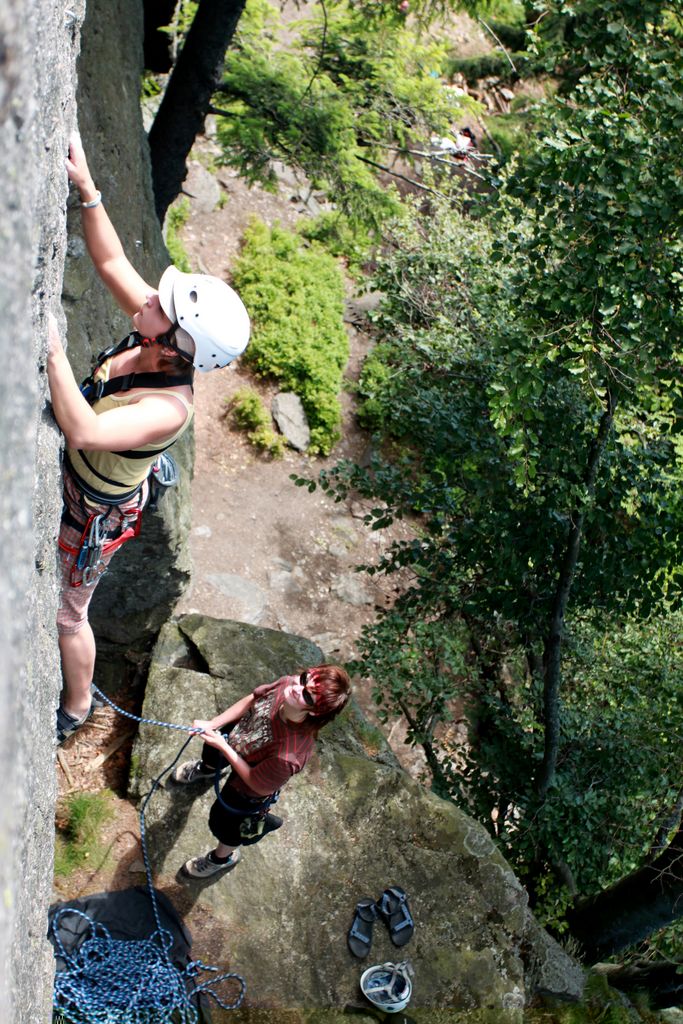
(295,298)
(77,840)
(250,414)
(486,65)
(175,219)
(340,237)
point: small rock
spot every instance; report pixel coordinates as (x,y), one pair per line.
(288,413)
(251,598)
(202,531)
(136,867)
(356,310)
(285,582)
(506,93)
(202,187)
(350,590)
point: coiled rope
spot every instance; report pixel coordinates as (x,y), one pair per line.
(134,981)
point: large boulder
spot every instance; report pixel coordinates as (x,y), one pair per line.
(355,823)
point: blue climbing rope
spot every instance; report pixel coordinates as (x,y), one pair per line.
(117,981)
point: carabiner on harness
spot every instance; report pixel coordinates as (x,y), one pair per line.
(163,474)
(88,563)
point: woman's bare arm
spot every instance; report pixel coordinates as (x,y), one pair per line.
(117,272)
(150,419)
(233,714)
(235,760)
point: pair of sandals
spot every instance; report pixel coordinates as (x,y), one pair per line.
(392,908)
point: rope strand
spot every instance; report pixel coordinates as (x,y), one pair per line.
(118,981)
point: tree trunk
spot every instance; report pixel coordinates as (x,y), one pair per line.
(157,45)
(553,645)
(659,978)
(188,95)
(638,905)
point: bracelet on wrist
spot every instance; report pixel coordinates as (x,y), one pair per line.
(93,202)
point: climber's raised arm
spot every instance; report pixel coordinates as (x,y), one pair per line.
(104,245)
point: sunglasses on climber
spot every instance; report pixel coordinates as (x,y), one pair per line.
(308,697)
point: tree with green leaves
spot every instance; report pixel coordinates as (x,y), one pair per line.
(526,390)
(352,86)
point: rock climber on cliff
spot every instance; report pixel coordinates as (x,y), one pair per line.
(120,422)
(264,739)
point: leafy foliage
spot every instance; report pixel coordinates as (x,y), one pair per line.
(331,104)
(250,413)
(176,218)
(295,298)
(526,389)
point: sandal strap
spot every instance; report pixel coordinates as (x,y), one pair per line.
(355,933)
(400,907)
(367,911)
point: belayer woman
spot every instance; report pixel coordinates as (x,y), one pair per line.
(119,423)
(264,739)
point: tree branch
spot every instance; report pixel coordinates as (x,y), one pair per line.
(403,177)
(553,645)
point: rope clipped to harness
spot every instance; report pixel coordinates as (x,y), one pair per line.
(135,981)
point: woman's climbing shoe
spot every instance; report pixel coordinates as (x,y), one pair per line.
(67,725)
(206,866)
(192,771)
(393,906)
(360,933)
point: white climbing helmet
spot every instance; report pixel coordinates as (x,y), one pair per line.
(388,986)
(210,312)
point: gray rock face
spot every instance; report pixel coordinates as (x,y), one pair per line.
(39,44)
(149,574)
(288,413)
(354,824)
(202,186)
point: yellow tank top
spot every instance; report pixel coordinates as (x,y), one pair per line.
(106,475)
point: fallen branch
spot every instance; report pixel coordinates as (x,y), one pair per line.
(64,766)
(98,761)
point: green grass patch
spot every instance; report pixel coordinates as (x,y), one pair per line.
(250,413)
(77,839)
(176,218)
(295,297)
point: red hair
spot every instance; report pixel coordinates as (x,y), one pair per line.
(332,691)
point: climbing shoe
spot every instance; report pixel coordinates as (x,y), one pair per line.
(67,725)
(205,867)
(192,771)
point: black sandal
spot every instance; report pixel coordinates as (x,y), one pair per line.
(393,906)
(360,933)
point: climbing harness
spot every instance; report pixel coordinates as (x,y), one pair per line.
(134,981)
(88,565)
(388,986)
